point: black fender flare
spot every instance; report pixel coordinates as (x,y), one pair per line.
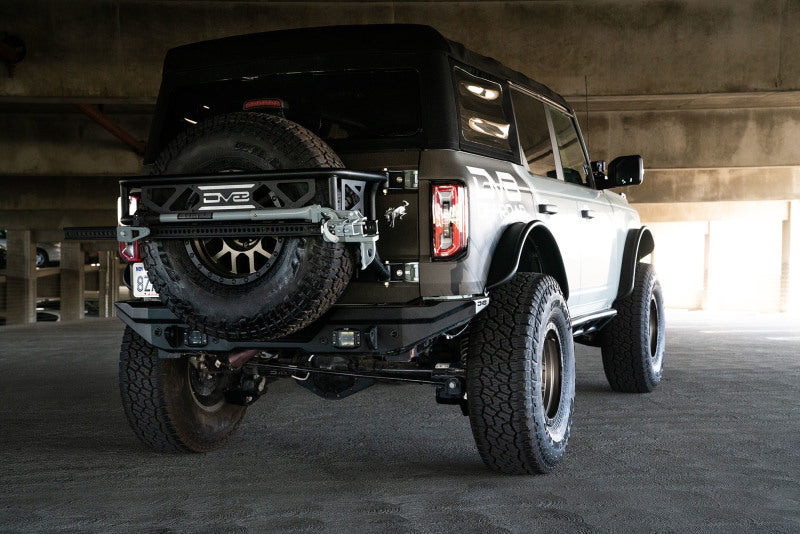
(517,243)
(638,244)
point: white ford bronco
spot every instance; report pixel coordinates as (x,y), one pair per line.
(347,205)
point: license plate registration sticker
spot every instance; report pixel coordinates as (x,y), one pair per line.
(141,282)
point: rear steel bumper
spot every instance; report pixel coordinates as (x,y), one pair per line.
(389,331)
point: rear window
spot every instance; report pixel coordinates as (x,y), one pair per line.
(351,108)
(358,105)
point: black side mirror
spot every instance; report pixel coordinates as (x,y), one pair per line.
(626,170)
(622,171)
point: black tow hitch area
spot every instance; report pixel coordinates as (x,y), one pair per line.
(250,387)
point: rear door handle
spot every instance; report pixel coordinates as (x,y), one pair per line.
(552,209)
(588,214)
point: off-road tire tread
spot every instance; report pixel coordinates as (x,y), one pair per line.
(142,392)
(495,379)
(622,339)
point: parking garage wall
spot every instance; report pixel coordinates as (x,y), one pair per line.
(114,48)
(708,92)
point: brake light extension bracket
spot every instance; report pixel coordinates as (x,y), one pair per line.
(129,234)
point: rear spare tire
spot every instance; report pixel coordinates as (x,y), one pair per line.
(246,288)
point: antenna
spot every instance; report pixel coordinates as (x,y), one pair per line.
(586,89)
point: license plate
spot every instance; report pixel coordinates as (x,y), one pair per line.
(141,282)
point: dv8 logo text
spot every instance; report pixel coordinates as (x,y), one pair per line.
(220,197)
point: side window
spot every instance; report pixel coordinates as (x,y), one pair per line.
(534,134)
(480,106)
(573,161)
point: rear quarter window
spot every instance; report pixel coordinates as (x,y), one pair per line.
(480,106)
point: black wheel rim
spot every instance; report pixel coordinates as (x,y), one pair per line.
(234,260)
(550,378)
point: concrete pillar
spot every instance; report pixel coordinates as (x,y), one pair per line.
(706,266)
(790,260)
(109,281)
(72,281)
(20,278)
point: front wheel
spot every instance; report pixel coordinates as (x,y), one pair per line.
(633,343)
(521,376)
(174,405)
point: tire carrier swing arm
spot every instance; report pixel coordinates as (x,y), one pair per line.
(354,225)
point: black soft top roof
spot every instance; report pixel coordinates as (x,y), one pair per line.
(361,39)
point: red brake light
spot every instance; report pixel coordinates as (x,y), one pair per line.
(130,251)
(269,103)
(450,220)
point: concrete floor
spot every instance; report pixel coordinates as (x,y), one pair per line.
(714,449)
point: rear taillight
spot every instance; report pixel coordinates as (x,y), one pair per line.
(129,251)
(450,220)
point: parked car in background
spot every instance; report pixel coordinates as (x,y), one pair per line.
(49,310)
(46,253)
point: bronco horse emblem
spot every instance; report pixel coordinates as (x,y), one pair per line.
(395,214)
